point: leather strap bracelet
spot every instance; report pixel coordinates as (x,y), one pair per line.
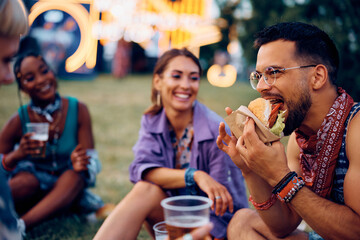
(283,182)
(289,190)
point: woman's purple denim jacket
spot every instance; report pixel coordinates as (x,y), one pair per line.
(154,149)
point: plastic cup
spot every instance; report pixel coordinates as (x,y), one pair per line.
(41,133)
(94,164)
(160,231)
(185,213)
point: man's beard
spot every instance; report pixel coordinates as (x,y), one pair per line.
(297,112)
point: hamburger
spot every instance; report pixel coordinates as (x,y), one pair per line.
(269,114)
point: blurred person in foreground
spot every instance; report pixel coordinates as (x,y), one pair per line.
(176,154)
(43,186)
(201,233)
(13,18)
(316,180)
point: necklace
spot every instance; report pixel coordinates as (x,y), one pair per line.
(54,126)
(49,109)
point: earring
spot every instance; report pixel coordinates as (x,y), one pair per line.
(158,99)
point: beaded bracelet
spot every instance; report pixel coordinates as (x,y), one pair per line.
(190,182)
(264,205)
(289,191)
(7,168)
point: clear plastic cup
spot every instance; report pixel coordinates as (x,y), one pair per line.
(160,231)
(41,133)
(185,213)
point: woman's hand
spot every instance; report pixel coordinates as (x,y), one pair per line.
(79,159)
(28,146)
(216,192)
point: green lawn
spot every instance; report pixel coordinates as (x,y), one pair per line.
(116,106)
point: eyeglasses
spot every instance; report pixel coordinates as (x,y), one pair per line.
(270,75)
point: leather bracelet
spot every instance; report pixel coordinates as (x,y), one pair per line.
(264,205)
(283,182)
(190,183)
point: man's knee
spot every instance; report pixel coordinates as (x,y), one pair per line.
(240,223)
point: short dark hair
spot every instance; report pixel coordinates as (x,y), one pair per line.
(311,43)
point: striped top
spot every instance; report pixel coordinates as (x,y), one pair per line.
(337,192)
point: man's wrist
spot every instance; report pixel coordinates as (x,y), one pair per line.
(278,177)
(288,186)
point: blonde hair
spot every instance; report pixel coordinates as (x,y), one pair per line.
(13,18)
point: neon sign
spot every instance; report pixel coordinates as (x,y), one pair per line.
(184,23)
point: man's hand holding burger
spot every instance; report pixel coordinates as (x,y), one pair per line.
(267,161)
(250,153)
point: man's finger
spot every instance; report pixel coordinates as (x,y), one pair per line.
(228,110)
(202,232)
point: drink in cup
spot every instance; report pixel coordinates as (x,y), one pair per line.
(160,231)
(41,133)
(185,213)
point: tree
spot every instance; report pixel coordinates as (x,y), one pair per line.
(339,18)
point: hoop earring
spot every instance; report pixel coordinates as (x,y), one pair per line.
(158,99)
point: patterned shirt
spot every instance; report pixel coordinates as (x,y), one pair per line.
(182,147)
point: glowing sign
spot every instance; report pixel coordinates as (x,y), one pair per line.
(182,23)
(86,52)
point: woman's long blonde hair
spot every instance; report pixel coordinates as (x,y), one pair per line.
(13,18)
(159,68)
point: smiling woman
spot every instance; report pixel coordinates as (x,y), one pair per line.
(176,154)
(52,174)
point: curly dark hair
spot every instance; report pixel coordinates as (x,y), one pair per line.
(20,59)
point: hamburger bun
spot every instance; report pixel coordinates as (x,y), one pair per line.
(261,108)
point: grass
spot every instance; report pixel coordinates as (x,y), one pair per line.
(116,106)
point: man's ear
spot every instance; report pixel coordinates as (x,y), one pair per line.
(157,82)
(320,76)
